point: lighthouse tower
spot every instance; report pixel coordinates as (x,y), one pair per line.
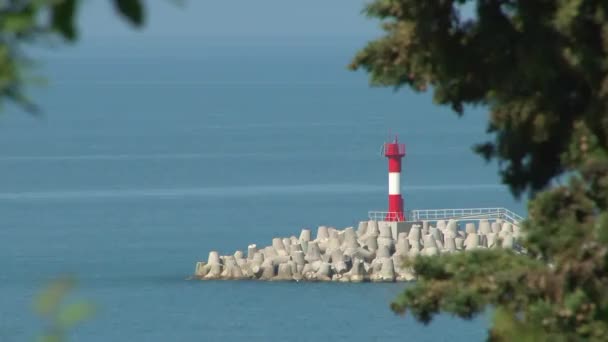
(394,152)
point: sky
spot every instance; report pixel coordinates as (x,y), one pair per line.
(232,18)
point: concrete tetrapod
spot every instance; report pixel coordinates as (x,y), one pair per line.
(350,256)
(284,272)
(471,242)
(361,228)
(324,272)
(357,273)
(469,228)
(322,233)
(304,235)
(387,271)
(484,227)
(251,250)
(313,253)
(430,248)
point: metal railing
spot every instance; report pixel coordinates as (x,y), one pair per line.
(465,214)
(386,216)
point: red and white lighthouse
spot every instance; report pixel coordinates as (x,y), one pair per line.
(394,152)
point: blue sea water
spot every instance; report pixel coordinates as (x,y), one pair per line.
(149,156)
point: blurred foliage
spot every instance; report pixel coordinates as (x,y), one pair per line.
(59,312)
(541,70)
(32,21)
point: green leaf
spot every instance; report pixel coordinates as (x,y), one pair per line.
(18,22)
(52,337)
(75,313)
(48,300)
(63,14)
(132,10)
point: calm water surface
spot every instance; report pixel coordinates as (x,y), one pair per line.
(148,158)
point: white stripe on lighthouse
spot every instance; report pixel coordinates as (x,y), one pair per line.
(394,183)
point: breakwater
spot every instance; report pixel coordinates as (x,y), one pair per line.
(375,251)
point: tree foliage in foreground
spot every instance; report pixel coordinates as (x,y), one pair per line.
(541,69)
(32,21)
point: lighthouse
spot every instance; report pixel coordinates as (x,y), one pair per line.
(394,151)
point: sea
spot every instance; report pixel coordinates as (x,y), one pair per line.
(148,154)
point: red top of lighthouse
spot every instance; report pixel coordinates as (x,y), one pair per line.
(394,149)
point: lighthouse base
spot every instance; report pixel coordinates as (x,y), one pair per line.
(397,227)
